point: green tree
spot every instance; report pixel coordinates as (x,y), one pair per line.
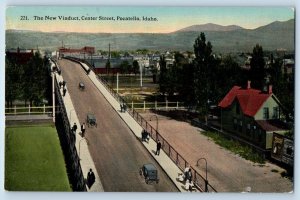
(115,54)
(34,79)
(142,51)
(163,75)
(283,87)
(125,67)
(107,67)
(183,79)
(257,71)
(135,67)
(13,80)
(229,74)
(204,68)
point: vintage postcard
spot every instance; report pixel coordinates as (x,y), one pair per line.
(149,99)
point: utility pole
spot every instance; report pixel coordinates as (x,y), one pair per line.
(141,76)
(117,83)
(109,51)
(53,97)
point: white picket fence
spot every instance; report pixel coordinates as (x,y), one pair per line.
(29,110)
(166,105)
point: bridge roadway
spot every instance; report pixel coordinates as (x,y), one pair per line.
(116,152)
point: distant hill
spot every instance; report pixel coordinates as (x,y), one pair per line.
(209,27)
(272,36)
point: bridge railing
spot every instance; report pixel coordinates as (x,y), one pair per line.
(68,138)
(178,159)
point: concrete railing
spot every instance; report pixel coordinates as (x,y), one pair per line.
(67,138)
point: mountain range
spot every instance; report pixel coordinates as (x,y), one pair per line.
(231,38)
(209,27)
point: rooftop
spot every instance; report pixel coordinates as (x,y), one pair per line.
(250,100)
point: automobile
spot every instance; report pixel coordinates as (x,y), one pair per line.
(91,120)
(81,85)
(149,172)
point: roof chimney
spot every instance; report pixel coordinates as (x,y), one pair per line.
(248,84)
(270,89)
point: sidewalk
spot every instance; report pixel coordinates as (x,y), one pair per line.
(86,160)
(163,160)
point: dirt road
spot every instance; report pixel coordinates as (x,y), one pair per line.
(227,172)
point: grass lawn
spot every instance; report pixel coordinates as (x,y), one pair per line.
(34,160)
(128,81)
(234,146)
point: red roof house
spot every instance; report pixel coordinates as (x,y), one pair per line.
(252,114)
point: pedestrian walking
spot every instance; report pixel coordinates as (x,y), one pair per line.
(189,186)
(186,173)
(190,175)
(121,106)
(158,147)
(74,128)
(144,135)
(64,91)
(90,180)
(82,129)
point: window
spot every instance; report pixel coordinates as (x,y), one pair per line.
(275,112)
(266,113)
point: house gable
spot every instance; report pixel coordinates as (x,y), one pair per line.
(272,104)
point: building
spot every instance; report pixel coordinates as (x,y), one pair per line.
(86,51)
(288,66)
(252,115)
(20,56)
(99,64)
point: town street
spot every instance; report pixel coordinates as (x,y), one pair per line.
(116,152)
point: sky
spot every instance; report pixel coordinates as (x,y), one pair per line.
(168,19)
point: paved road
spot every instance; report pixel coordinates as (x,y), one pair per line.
(115,150)
(227,172)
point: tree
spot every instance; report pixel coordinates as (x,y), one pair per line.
(27,82)
(283,87)
(229,74)
(107,67)
(135,67)
(115,54)
(257,71)
(204,68)
(163,75)
(34,79)
(13,80)
(125,67)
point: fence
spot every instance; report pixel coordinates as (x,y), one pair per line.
(199,181)
(166,105)
(29,110)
